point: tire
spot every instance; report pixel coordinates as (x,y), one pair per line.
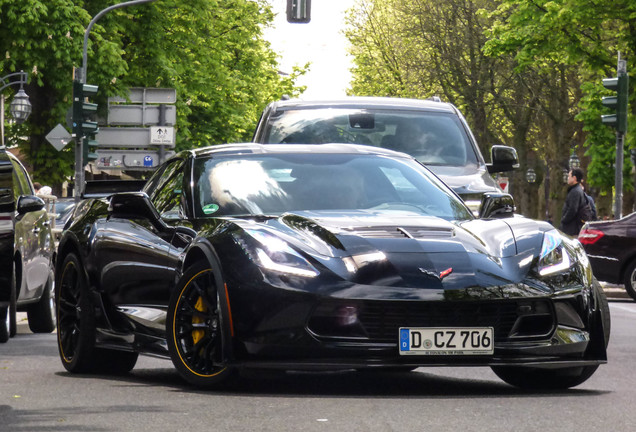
(535,378)
(196,329)
(630,279)
(5,324)
(75,322)
(13,317)
(76,326)
(41,315)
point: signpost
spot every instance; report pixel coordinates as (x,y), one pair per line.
(138,133)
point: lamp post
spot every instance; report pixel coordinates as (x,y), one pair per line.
(20,106)
(531,176)
(574,161)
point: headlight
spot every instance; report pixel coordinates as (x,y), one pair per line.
(272,253)
(554,257)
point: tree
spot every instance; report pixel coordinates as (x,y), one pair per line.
(580,34)
(212,52)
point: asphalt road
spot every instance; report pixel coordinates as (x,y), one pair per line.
(36,394)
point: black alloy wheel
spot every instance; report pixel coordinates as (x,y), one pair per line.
(76,326)
(196,326)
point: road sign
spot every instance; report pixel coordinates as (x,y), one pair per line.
(163,135)
(141,115)
(503,183)
(130,159)
(131,137)
(147,95)
(58,137)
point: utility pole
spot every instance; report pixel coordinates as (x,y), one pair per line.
(620,84)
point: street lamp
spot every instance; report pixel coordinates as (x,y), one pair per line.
(20,106)
(574,161)
(531,176)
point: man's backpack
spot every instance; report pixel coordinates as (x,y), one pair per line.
(585,212)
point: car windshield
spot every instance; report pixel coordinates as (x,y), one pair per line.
(433,138)
(273,184)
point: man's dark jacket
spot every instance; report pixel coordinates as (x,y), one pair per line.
(570,221)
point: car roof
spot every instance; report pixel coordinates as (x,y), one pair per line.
(333,148)
(364,102)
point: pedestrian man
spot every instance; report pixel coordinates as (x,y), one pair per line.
(576,209)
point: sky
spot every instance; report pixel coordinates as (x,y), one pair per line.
(320,42)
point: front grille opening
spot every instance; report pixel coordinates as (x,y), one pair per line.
(380,321)
(540,325)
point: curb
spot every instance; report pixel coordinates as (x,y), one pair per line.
(613,291)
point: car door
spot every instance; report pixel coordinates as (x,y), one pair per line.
(32,239)
(133,253)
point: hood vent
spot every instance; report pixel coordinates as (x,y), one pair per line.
(417,232)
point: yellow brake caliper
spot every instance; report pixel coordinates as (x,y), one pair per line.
(198,334)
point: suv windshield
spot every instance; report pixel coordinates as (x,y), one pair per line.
(433,138)
(279,183)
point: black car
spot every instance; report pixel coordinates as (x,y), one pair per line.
(433,132)
(26,252)
(611,248)
(321,257)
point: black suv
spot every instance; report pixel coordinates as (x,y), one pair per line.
(26,252)
(434,132)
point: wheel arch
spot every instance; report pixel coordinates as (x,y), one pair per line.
(202,250)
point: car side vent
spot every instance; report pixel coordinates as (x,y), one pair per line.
(428,232)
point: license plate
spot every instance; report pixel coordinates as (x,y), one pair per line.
(446,341)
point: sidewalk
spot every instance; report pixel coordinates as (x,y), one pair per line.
(613,291)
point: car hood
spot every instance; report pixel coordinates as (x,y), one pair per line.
(469,179)
(402,249)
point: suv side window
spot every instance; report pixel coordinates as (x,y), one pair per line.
(167,190)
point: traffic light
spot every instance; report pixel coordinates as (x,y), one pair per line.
(618,103)
(84,127)
(298,11)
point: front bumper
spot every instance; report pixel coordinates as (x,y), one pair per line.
(300,330)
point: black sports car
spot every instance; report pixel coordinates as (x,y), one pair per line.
(321,257)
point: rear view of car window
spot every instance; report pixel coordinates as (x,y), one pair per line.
(433,138)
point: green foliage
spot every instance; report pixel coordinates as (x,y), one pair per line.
(585,36)
(211,51)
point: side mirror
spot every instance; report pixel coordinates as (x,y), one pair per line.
(503,158)
(134,205)
(496,205)
(29,203)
